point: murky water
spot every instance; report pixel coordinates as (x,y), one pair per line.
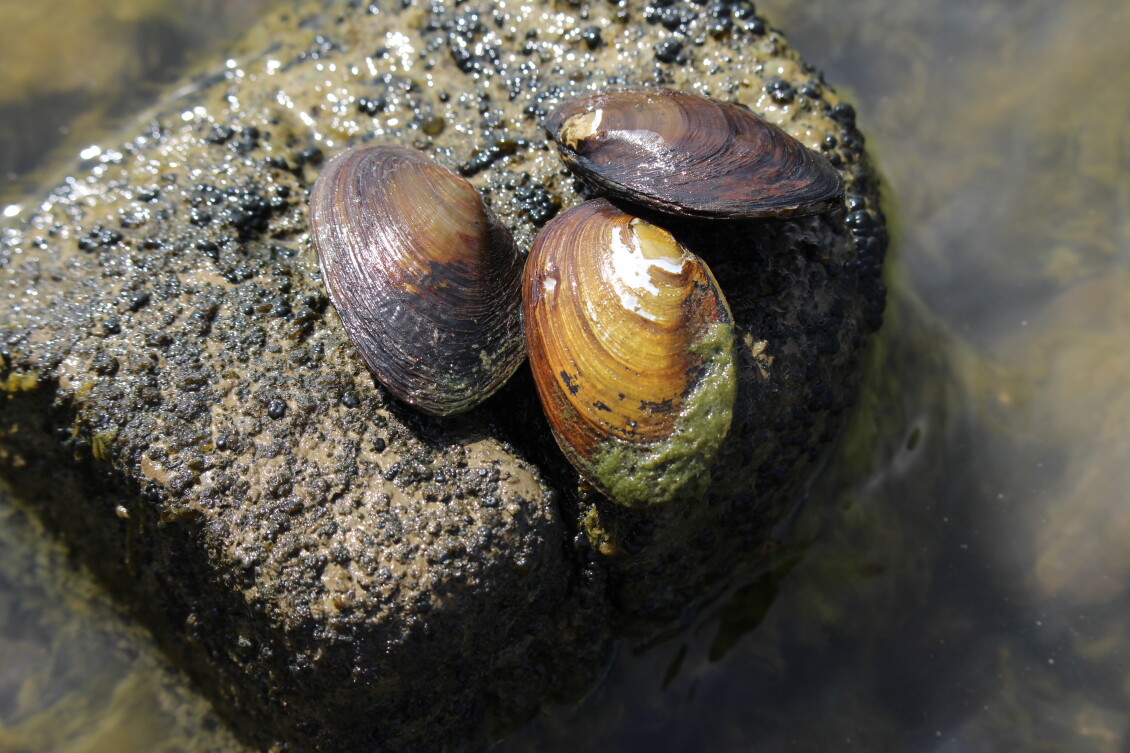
(72,72)
(967,584)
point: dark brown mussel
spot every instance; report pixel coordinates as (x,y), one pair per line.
(685,154)
(423,275)
(630,342)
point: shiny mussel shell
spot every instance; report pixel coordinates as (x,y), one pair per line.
(685,154)
(631,346)
(424,277)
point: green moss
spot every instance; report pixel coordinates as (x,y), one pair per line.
(678,467)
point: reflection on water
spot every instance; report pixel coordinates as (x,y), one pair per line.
(966,582)
(73,72)
(73,677)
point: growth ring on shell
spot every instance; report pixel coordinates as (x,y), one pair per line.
(424,276)
(685,154)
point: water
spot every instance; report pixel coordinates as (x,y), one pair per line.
(73,72)
(968,590)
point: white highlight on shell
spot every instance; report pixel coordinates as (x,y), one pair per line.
(597,116)
(581,127)
(633,271)
(648,141)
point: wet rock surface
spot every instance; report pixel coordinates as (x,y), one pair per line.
(336,570)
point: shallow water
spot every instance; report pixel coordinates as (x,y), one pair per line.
(73,72)
(967,582)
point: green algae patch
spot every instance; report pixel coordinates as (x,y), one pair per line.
(677,467)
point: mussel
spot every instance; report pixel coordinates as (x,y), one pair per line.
(630,342)
(685,154)
(423,275)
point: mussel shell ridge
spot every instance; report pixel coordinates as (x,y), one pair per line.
(631,345)
(425,278)
(685,154)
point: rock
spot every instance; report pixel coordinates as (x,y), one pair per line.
(335,570)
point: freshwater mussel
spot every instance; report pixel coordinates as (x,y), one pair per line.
(685,154)
(631,346)
(630,339)
(424,276)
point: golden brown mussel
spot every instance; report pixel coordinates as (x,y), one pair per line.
(423,275)
(631,346)
(682,153)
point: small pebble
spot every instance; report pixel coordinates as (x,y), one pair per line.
(276,409)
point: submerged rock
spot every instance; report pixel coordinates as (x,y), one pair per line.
(335,570)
